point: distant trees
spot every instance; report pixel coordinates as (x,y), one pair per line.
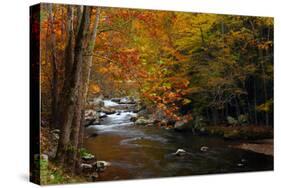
(207,65)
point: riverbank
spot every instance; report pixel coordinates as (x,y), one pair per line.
(248,132)
(50,171)
(259,146)
(254,138)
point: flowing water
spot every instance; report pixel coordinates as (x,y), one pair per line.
(137,152)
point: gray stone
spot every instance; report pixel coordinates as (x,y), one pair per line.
(86,166)
(180,152)
(143,121)
(94,176)
(108,110)
(204,148)
(102,165)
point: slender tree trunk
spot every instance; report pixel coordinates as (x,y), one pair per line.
(237,107)
(86,79)
(54,82)
(264,86)
(69,50)
(255,102)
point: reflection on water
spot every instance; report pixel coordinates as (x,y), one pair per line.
(146,152)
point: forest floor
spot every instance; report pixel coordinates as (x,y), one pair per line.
(54,174)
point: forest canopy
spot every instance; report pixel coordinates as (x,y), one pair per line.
(197,68)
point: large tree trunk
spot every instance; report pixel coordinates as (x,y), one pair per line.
(71,89)
(77,123)
(88,65)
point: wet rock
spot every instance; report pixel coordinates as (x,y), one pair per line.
(137,108)
(240,164)
(102,165)
(94,176)
(133,118)
(180,152)
(143,121)
(118,113)
(86,168)
(102,115)
(143,112)
(127,100)
(204,148)
(117,100)
(88,157)
(91,117)
(108,110)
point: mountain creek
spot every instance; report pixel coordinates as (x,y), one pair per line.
(136,152)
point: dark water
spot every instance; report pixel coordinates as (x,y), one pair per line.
(146,152)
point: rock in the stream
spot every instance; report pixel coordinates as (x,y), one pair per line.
(204,148)
(101,165)
(86,168)
(108,110)
(94,176)
(117,100)
(143,121)
(240,164)
(88,157)
(91,117)
(137,108)
(127,100)
(134,117)
(180,152)
(102,115)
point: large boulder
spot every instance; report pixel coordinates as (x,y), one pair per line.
(91,117)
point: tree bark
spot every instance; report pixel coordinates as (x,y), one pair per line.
(70,89)
(54,82)
(69,50)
